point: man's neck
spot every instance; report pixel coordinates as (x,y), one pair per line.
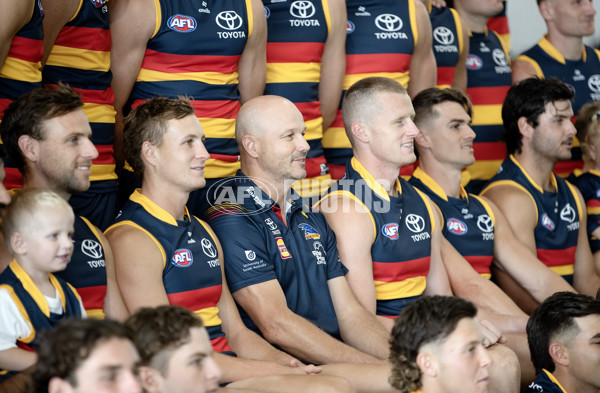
(33,181)
(172,201)
(538,168)
(570,384)
(382,172)
(448,178)
(568,46)
(475,23)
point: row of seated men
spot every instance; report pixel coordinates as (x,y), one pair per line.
(309,52)
(315,284)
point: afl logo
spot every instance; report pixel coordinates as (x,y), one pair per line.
(456,226)
(267,12)
(547,222)
(390,231)
(98,3)
(182,258)
(182,23)
(474,62)
(349,27)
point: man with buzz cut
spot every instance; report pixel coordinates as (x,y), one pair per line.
(547,212)
(474,225)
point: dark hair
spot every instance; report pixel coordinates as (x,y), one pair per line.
(148,122)
(68,345)
(528,99)
(554,318)
(155,330)
(428,319)
(26,116)
(424,102)
(587,124)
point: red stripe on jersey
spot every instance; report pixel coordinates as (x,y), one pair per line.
(399,271)
(294,52)
(488,95)
(84,38)
(445,75)
(197,299)
(490,150)
(220,344)
(377,62)
(92,297)
(170,63)
(480,263)
(309,110)
(106,97)
(565,168)
(26,49)
(210,109)
(557,257)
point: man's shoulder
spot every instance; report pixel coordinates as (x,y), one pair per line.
(544,383)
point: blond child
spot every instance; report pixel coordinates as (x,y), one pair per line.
(37,227)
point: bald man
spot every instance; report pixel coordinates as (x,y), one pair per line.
(282,263)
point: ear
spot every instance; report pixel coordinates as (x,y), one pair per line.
(18,244)
(149,153)
(559,353)
(30,148)
(546,10)
(150,379)
(524,127)
(423,139)
(427,364)
(59,385)
(249,144)
(591,148)
(360,131)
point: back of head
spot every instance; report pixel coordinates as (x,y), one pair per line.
(427,320)
(161,330)
(148,122)
(528,99)
(68,345)
(588,128)
(361,102)
(25,205)
(26,115)
(554,320)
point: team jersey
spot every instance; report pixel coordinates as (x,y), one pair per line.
(297,31)
(589,185)
(191,269)
(194,52)
(86,269)
(499,24)
(558,213)
(488,80)
(80,57)
(402,228)
(447,36)
(469,222)
(582,75)
(21,73)
(545,382)
(381,38)
(33,306)
(258,247)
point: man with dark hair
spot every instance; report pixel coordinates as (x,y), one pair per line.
(473,225)
(175,353)
(4,196)
(87,356)
(437,347)
(546,211)
(564,337)
(47,135)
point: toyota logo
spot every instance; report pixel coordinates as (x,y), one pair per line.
(485,223)
(208,248)
(499,57)
(594,83)
(229,20)
(302,9)
(443,35)
(91,248)
(415,223)
(388,22)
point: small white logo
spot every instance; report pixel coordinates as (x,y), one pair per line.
(250,255)
(499,57)
(302,9)
(568,213)
(388,22)
(229,20)
(91,248)
(485,223)
(594,83)
(443,35)
(208,248)
(415,223)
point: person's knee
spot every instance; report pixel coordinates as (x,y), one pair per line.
(505,372)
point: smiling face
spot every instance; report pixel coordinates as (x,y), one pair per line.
(461,361)
(181,158)
(65,154)
(584,353)
(572,18)
(552,139)
(391,129)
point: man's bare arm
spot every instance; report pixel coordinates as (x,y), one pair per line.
(253,62)
(15,14)
(423,69)
(56,14)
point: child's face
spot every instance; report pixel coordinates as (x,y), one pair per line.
(48,243)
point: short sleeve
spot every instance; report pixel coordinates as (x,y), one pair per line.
(335,267)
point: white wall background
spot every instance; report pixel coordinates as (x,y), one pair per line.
(527,26)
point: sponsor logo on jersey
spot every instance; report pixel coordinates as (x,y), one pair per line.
(594,85)
(182,23)
(485,223)
(415,223)
(568,213)
(309,232)
(271,224)
(92,248)
(182,258)
(267,12)
(474,62)
(283,251)
(456,226)
(302,10)
(98,3)
(501,61)
(208,248)
(319,253)
(390,230)
(350,27)
(547,222)
(230,21)
(250,255)
(390,25)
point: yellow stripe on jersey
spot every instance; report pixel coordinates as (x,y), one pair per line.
(217,128)
(336,138)
(487,115)
(217,168)
(21,70)
(84,59)
(212,78)
(103,172)
(99,113)
(314,129)
(400,77)
(293,72)
(413,286)
(22,311)
(564,270)
(210,316)
(534,64)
